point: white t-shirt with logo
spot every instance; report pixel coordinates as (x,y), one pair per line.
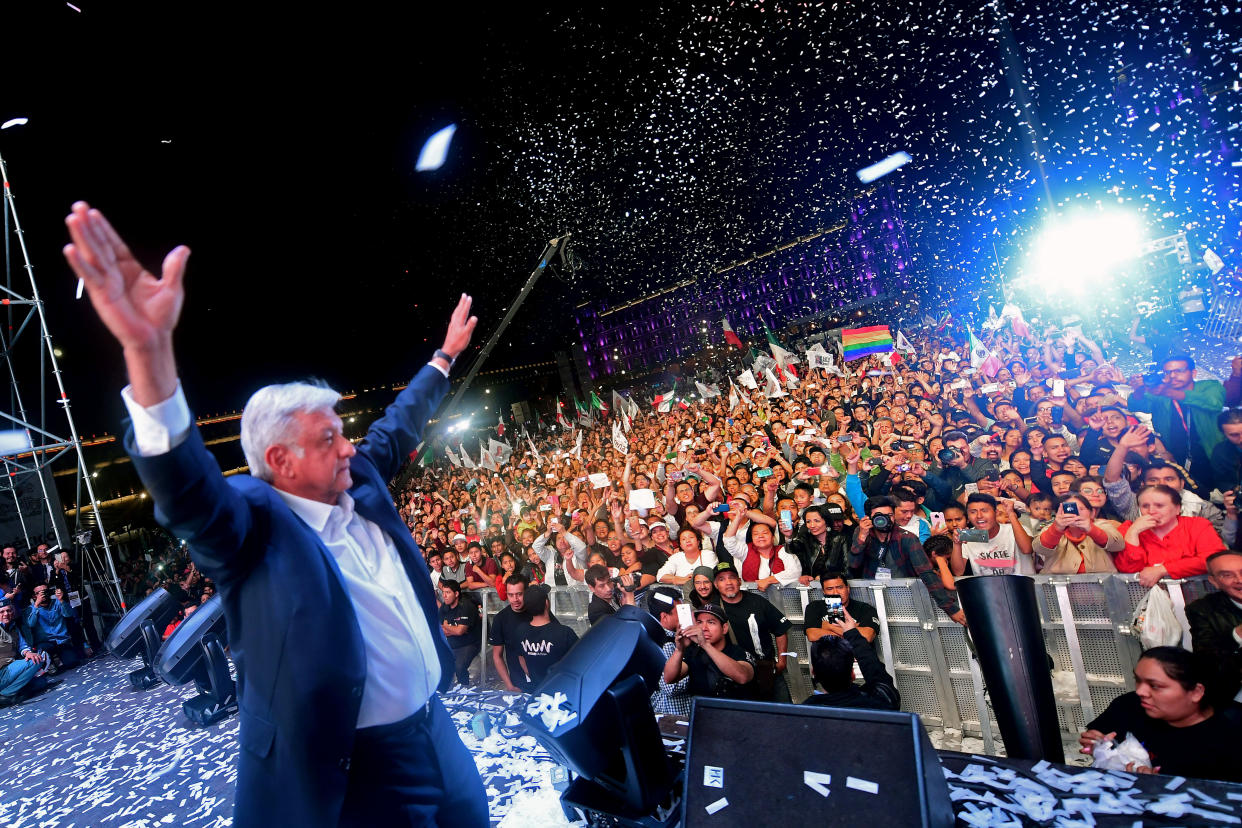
(998,556)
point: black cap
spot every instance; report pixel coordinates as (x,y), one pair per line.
(712,609)
(725,566)
(834,512)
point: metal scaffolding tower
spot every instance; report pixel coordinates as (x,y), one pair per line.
(27,480)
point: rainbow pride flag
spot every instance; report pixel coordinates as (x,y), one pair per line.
(861,342)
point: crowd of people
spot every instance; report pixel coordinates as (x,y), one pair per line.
(1027,451)
(46,618)
(45,625)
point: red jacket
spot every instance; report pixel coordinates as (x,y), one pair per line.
(1183,552)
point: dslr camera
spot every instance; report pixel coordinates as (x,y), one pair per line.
(882,522)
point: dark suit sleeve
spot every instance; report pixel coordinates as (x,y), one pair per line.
(392,437)
(196,504)
(1211,633)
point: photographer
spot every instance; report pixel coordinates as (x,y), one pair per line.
(832,666)
(882,550)
(603,593)
(45,617)
(826,616)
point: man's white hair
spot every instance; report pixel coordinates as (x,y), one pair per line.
(270,419)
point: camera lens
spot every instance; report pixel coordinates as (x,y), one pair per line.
(882,522)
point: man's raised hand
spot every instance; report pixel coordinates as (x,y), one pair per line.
(460,329)
(140,310)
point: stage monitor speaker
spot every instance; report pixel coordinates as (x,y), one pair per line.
(756,763)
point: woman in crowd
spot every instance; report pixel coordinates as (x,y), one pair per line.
(680,566)
(1162,542)
(508,564)
(1172,712)
(1092,488)
(1075,543)
(759,560)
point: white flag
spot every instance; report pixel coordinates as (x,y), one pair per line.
(773,388)
(465,459)
(452,458)
(618,439)
(705,391)
(733,400)
(747,379)
(578,445)
(903,344)
(534,451)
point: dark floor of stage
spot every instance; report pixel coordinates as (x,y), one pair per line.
(93,752)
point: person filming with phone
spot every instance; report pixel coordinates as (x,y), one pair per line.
(832,667)
(1074,543)
(996,542)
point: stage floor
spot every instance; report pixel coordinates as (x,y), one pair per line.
(93,752)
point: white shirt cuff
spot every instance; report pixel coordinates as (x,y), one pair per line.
(438,368)
(160,427)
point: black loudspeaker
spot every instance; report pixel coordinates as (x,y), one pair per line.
(754,764)
(1003,618)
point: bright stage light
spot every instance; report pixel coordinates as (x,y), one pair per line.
(1076,252)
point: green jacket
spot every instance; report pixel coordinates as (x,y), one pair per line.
(1203,403)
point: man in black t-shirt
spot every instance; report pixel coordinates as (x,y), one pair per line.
(740,608)
(716,666)
(503,633)
(460,621)
(818,623)
(543,640)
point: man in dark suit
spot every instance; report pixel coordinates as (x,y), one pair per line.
(331,614)
(1216,619)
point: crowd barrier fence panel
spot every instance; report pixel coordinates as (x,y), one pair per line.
(1086,621)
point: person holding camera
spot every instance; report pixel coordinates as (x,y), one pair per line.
(832,666)
(882,550)
(826,616)
(45,618)
(1074,543)
(996,544)
(604,590)
(715,665)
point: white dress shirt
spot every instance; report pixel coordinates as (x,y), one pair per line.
(403,668)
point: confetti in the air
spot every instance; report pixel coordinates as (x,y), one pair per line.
(880,169)
(12,122)
(436,149)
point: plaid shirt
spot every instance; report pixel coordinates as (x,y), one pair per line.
(905,558)
(671,698)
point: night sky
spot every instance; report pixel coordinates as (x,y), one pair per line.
(280,145)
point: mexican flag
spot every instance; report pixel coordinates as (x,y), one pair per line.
(500,425)
(596,402)
(730,337)
(779,353)
(560,414)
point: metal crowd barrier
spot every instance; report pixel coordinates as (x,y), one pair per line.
(1086,621)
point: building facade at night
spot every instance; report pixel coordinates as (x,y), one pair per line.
(866,255)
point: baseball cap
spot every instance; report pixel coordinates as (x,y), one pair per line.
(705,571)
(724,566)
(458,537)
(712,609)
(657,524)
(834,512)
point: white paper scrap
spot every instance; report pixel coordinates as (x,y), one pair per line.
(713,777)
(864,785)
(718,805)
